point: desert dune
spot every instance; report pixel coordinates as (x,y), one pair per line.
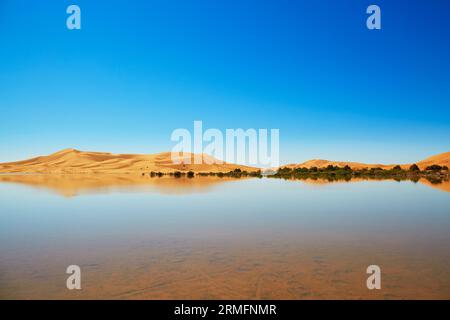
(72,161)
(442,159)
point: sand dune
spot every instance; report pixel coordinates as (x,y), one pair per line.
(320,163)
(75,161)
(442,159)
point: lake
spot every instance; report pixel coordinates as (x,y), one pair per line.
(210,238)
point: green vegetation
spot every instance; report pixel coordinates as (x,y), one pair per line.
(434,167)
(334,173)
(156,174)
(177,174)
(236,173)
(434,173)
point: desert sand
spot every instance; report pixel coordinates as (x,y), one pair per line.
(72,161)
(76,162)
(442,159)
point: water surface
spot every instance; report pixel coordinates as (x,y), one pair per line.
(211,238)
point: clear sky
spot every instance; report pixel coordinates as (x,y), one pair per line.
(137,70)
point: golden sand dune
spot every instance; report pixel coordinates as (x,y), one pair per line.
(442,159)
(75,161)
(319,163)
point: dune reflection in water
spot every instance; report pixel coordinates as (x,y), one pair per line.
(72,184)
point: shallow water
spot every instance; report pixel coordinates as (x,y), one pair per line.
(211,238)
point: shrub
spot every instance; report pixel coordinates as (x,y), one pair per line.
(300,170)
(284,171)
(414,167)
(255,173)
(434,167)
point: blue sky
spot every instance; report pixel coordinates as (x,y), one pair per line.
(138,70)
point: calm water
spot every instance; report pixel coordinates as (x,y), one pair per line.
(207,238)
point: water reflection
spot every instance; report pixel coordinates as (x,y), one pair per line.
(211,238)
(443,185)
(73,185)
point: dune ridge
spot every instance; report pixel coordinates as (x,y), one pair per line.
(442,159)
(72,161)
